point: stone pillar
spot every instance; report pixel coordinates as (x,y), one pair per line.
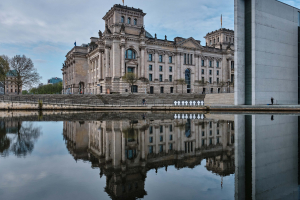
(123,148)
(181,66)
(142,61)
(107,146)
(122,59)
(106,61)
(166,70)
(143,145)
(155,67)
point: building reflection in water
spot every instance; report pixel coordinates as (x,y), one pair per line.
(266,157)
(125,150)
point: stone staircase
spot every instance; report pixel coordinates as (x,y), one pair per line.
(219,99)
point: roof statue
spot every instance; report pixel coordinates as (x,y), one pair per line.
(107,31)
(166,37)
(142,31)
(100,34)
(122,28)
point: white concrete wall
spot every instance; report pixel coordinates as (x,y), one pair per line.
(274,52)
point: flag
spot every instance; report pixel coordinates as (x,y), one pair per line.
(75,43)
(123,2)
(221,21)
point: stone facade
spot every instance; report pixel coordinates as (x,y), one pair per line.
(161,65)
(10,83)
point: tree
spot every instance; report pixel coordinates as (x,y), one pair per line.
(47,89)
(181,82)
(4,69)
(26,74)
(130,78)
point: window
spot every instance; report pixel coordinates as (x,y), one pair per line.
(203,142)
(232,65)
(130,69)
(217,72)
(15,90)
(150,67)
(210,80)
(162,90)
(202,63)
(218,39)
(135,21)
(202,71)
(218,64)
(210,124)
(217,80)
(150,77)
(188,59)
(160,68)
(210,141)
(150,139)
(161,148)
(191,61)
(171,146)
(160,58)
(160,78)
(170,78)
(211,90)
(171,137)
(122,19)
(150,129)
(210,63)
(161,138)
(210,132)
(218,132)
(170,128)
(171,90)
(151,149)
(203,134)
(170,69)
(210,42)
(150,57)
(129,20)
(210,72)
(170,59)
(161,129)
(130,54)
(185,58)
(202,79)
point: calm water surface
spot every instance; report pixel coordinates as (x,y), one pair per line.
(150,156)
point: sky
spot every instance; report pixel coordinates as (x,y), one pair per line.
(46,30)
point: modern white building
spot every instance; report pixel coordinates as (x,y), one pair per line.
(266,57)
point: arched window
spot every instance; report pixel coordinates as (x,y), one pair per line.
(129,20)
(130,54)
(135,21)
(122,19)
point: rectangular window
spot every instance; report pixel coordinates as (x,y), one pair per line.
(188,58)
(202,79)
(232,64)
(160,129)
(217,80)
(210,63)
(218,140)
(185,58)
(151,149)
(203,134)
(171,146)
(161,148)
(170,59)
(150,57)
(171,90)
(160,58)
(210,80)
(160,68)
(202,71)
(210,124)
(150,67)
(150,139)
(151,129)
(170,128)
(170,69)
(161,78)
(203,142)
(210,72)
(171,137)
(170,78)
(202,63)
(218,64)
(161,138)
(162,90)
(150,77)
(210,141)
(191,61)
(217,72)
(218,132)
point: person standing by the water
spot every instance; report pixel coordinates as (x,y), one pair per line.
(272,100)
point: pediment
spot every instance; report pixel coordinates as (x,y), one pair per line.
(131,62)
(190,43)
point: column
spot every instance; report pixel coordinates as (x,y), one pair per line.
(143,145)
(181,66)
(107,147)
(122,59)
(155,67)
(123,148)
(166,69)
(142,61)
(106,61)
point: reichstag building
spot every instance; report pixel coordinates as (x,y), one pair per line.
(160,65)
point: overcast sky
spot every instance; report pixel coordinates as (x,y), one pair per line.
(45,30)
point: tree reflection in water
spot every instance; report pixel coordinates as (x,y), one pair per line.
(22,139)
